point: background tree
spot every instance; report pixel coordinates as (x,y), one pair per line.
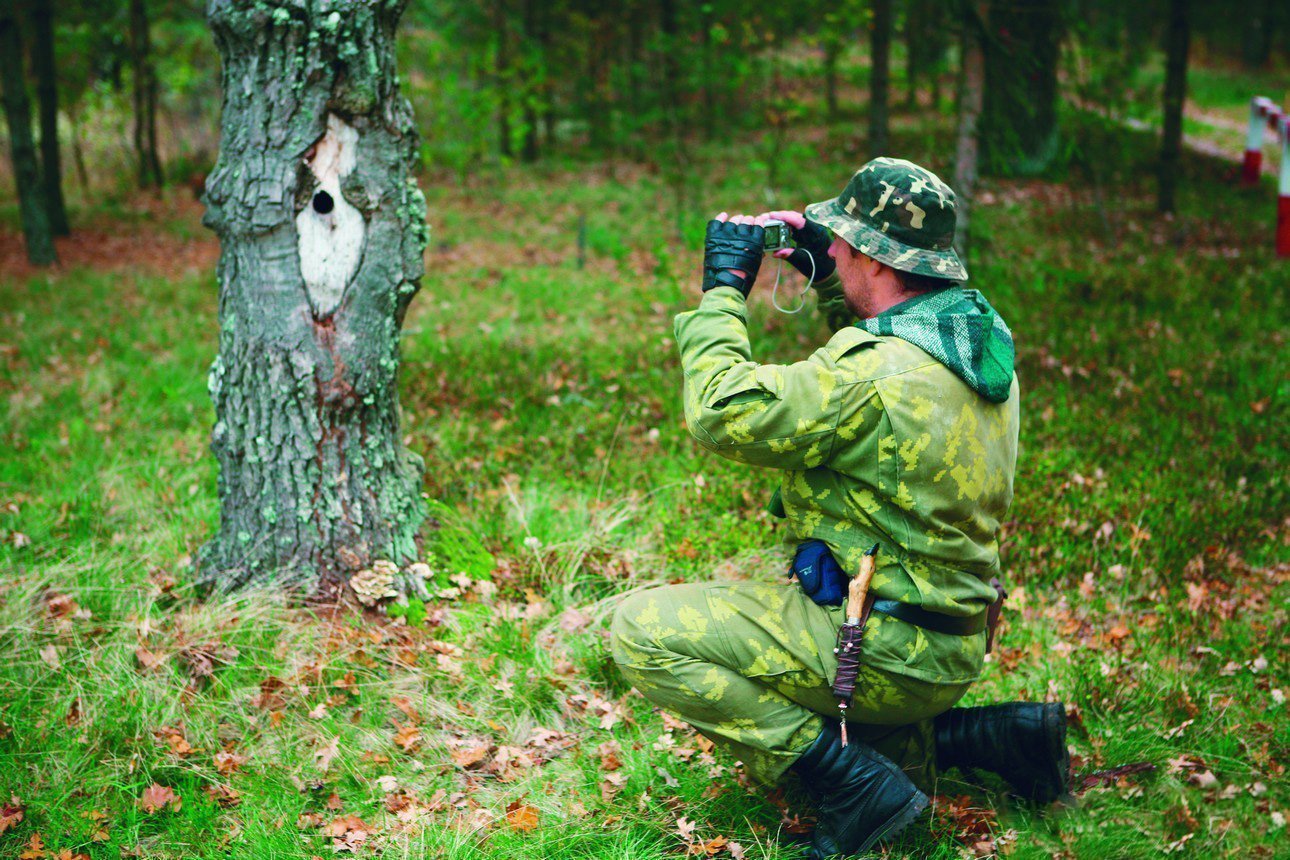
(971,96)
(146,95)
(927,37)
(1022,45)
(43,66)
(322,231)
(879,76)
(22,148)
(1177,44)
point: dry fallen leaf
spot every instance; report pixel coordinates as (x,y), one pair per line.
(408,737)
(471,756)
(147,659)
(327,753)
(404,704)
(49,654)
(35,849)
(609,760)
(308,821)
(174,739)
(223,795)
(572,620)
(521,817)
(228,762)
(157,797)
(11,813)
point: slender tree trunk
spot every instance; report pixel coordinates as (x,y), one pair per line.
(501,78)
(145,97)
(537,67)
(669,89)
(880,77)
(971,95)
(832,50)
(912,58)
(1177,42)
(22,149)
(322,231)
(1019,115)
(78,157)
(1257,33)
(51,168)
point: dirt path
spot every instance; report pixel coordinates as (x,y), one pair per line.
(157,236)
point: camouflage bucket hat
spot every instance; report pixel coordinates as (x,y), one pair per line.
(899,214)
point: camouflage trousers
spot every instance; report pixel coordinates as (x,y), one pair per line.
(750,666)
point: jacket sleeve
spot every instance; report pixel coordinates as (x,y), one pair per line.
(778,416)
(830,303)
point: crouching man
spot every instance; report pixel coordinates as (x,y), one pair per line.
(902,432)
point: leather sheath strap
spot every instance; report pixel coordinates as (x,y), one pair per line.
(939,622)
(994,613)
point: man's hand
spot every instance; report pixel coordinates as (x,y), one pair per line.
(732,252)
(812,242)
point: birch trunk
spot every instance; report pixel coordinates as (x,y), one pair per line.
(322,231)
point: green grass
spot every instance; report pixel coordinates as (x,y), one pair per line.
(544,398)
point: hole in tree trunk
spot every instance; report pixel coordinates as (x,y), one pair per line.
(323,203)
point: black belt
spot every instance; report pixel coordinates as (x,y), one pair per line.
(939,622)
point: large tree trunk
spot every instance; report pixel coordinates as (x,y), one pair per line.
(1177,41)
(322,231)
(145,97)
(970,98)
(1019,116)
(22,149)
(51,168)
(880,77)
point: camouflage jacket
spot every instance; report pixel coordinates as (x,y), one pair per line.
(877,442)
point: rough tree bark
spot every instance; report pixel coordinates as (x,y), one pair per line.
(322,231)
(879,77)
(145,97)
(22,149)
(970,98)
(1177,42)
(42,63)
(1019,116)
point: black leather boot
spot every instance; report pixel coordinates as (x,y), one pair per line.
(860,795)
(1023,742)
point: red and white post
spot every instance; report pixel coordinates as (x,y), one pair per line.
(1283,192)
(1252,165)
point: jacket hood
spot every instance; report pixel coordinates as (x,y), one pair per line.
(959,329)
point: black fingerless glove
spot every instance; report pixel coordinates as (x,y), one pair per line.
(812,244)
(732,246)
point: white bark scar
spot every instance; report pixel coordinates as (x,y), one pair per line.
(330,231)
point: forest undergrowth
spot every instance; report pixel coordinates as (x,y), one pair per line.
(1146,549)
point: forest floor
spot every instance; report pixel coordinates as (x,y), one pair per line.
(1146,548)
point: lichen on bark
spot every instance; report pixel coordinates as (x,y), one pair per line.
(315,484)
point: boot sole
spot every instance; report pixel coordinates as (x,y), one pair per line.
(891,827)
